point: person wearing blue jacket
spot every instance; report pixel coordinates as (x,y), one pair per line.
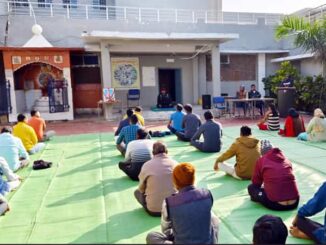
(306,228)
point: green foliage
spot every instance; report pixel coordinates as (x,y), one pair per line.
(311,93)
(311,37)
(286,70)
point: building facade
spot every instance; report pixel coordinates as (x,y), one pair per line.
(190,48)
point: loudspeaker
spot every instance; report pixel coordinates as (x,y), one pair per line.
(206,101)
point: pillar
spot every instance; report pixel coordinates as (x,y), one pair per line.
(261,73)
(106,65)
(202,75)
(195,83)
(216,71)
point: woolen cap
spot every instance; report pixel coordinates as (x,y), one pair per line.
(265,146)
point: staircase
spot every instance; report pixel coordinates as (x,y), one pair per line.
(42,105)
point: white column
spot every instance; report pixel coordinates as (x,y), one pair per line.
(106,65)
(216,71)
(202,74)
(261,73)
(195,80)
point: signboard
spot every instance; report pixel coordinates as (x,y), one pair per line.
(125,73)
(148,76)
(108,95)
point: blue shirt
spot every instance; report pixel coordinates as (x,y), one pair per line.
(176,119)
(122,124)
(128,134)
(11,149)
(314,206)
(4,187)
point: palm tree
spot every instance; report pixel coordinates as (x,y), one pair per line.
(311,37)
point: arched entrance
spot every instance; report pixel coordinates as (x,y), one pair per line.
(40,86)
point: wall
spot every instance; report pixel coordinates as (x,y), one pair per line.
(149,94)
(310,67)
(241,68)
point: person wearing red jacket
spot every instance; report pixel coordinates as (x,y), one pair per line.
(293,125)
(274,172)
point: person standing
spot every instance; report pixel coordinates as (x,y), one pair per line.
(190,122)
(187,216)
(246,150)
(212,132)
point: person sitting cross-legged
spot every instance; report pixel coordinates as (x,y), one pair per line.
(305,228)
(39,126)
(187,216)
(293,125)
(27,135)
(269,229)
(190,123)
(246,150)
(155,180)
(175,123)
(212,132)
(127,134)
(138,113)
(272,118)
(12,150)
(138,152)
(274,171)
(125,122)
(316,130)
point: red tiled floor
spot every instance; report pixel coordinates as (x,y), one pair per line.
(94,125)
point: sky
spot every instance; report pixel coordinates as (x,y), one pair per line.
(269,6)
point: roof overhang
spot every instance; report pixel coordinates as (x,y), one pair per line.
(292,57)
(158,36)
(253,51)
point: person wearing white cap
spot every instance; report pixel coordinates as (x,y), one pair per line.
(316,130)
(274,172)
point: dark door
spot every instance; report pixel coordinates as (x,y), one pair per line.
(5,101)
(167,81)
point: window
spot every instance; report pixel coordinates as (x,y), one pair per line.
(69,3)
(225,59)
(99,4)
(85,60)
(44,3)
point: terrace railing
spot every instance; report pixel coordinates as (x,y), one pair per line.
(70,10)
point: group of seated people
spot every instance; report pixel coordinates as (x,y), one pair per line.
(167,188)
(294,124)
(16,144)
(252,94)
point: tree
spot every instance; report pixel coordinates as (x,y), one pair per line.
(311,37)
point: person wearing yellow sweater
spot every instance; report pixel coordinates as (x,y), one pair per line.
(140,117)
(27,135)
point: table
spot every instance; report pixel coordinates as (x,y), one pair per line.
(108,108)
(248,101)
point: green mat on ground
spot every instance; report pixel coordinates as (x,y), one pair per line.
(85,198)
(154,108)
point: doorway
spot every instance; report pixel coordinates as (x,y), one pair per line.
(170,79)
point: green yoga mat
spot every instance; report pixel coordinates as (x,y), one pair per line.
(85,198)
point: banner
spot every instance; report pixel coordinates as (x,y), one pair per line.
(125,73)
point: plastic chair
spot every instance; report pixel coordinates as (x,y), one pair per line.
(133,95)
(219,104)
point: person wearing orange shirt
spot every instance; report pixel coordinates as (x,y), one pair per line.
(39,126)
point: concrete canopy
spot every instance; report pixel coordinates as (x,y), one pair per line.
(159,42)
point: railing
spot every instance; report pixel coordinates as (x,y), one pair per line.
(316,13)
(133,14)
